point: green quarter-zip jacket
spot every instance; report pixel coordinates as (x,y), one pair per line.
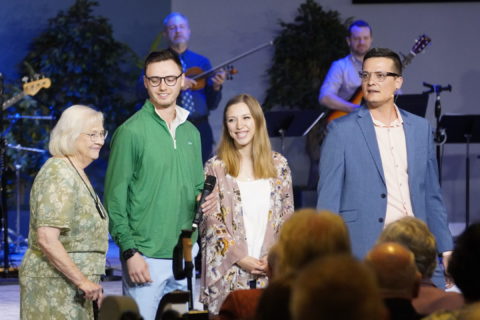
(152,180)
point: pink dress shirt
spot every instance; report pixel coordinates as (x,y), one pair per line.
(393,152)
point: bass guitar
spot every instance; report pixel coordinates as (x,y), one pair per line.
(29,89)
(420,44)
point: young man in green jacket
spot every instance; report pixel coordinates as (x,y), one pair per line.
(154,175)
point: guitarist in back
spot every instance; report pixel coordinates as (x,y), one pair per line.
(342,80)
(197,96)
(340,84)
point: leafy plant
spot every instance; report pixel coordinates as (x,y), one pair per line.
(86,65)
(304,51)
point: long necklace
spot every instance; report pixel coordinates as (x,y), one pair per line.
(95,198)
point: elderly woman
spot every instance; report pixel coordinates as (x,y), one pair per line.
(254,189)
(68,239)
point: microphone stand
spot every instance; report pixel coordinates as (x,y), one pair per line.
(183,250)
(3,202)
(440,136)
(18,167)
(183,262)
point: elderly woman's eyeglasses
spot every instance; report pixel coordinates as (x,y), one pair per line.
(169,80)
(102,135)
(377,76)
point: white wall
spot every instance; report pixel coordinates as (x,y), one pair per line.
(222,29)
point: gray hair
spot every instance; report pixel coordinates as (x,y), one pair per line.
(414,234)
(73,121)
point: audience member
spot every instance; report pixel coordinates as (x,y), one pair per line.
(310,234)
(463,268)
(307,235)
(398,278)
(274,302)
(337,287)
(414,234)
(472,312)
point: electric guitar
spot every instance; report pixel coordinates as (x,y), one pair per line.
(420,44)
(29,89)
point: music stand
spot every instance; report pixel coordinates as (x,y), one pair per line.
(413,103)
(293,123)
(463,128)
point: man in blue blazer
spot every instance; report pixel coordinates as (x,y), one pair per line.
(378,163)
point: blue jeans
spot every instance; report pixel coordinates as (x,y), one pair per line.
(148,296)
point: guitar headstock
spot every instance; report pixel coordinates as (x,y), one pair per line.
(31,88)
(420,44)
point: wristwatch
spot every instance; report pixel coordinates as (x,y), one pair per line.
(127,254)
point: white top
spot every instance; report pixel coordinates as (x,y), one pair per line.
(255,197)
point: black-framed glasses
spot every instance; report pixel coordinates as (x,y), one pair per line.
(377,76)
(101,135)
(169,80)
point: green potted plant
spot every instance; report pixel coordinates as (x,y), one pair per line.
(304,51)
(86,65)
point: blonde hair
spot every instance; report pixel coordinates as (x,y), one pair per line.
(73,121)
(263,166)
(310,234)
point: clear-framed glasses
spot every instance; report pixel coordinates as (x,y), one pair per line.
(377,76)
(101,135)
(169,80)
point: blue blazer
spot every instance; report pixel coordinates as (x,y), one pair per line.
(352,182)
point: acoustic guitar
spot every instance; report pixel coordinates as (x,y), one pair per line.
(420,44)
(29,89)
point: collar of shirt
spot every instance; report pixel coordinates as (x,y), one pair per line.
(181,115)
(395,123)
(354,60)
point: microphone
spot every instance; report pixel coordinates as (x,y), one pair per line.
(207,189)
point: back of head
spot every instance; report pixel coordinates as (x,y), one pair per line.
(272,261)
(274,302)
(119,307)
(336,287)
(414,234)
(465,263)
(472,312)
(310,234)
(395,270)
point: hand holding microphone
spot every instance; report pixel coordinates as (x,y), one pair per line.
(207,200)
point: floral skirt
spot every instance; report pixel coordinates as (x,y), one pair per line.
(53,298)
